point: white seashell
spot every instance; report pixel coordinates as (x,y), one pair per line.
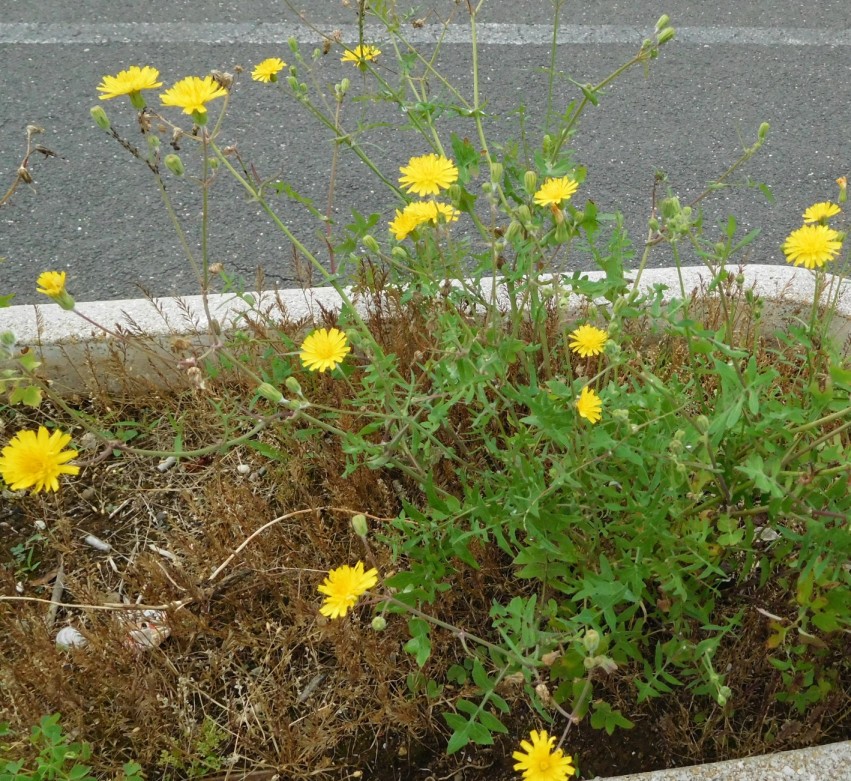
(97,543)
(243,469)
(69,637)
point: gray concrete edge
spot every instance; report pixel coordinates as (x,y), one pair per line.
(47,324)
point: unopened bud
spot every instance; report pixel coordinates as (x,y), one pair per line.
(664,21)
(400,253)
(496,172)
(701,423)
(591,640)
(666,35)
(174,164)
(530,182)
(270,392)
(513,230)
(370,243)
(379,624)
(293,386)
(763,131)
(100,117)
(359,525)
(454,193)
(293,44)
(562,232)
(524,214)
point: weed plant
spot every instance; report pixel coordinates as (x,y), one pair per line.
(529,498)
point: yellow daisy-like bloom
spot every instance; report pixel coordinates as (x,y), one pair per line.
(268,70)
(192,94)
(36,459)
(555,191)
(428,174)
(130,82)
(343,587)
(539,761)
(588,340)
(419,213)
(819,212)
(51,283)
(811,246)
(589,405)
(361,55)
(324,349)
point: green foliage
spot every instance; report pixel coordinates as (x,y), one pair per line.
(201,756)
(57,756)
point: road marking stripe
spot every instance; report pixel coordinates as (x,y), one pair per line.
(494,34)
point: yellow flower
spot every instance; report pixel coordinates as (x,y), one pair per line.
(35,460)
(811,246)
(588,340)
(192,94)
(130,82)
(324,349)
(819,212)
(361,55)
(268,69)
(342,588)
(555,191)
(539,761)
(589,405)
(419,213)
(51,283)
(428,174)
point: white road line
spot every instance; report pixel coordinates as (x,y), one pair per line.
(493,34)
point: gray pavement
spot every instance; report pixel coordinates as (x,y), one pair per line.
(97,213)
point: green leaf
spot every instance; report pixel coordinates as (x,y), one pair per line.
(605,718)
(466,158)
(28,395)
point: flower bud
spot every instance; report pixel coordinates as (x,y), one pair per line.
(496,172)
(591,640)
(293,386)
(293,44)
(562,232)
(530,182)
(842,181)
(370,243)
(664,21)
(400,253)
(379,623)
(359,525)
(701,423)
(666,35)
(454,193)
(513,230)
(100,117)
(763,131)
(174,164)
(524,214)
(270,392)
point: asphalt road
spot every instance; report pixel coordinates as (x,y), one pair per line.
(96,213)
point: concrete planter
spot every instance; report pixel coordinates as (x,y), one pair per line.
(77,357)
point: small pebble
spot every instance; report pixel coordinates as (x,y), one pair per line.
(243,469)
(164,466)
(97,543)
(40,525)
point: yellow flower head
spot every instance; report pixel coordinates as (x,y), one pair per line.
(589,405)
(428,174)
(192,94)
(130,82)
(51,283)
(361,55)
(36,459)
(539,761)
(342,588)
(811,246)
(819,212)
(268,70)
(324,349)
(421,212)
(555,191)
(588,340)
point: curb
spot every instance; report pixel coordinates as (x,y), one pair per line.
(80,353)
